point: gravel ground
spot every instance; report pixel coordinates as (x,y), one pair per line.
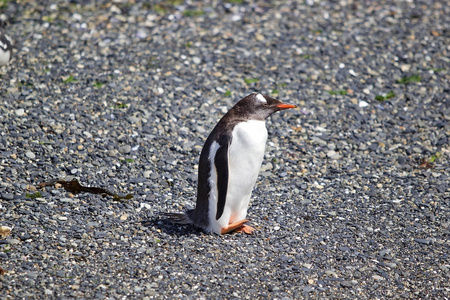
(353,196)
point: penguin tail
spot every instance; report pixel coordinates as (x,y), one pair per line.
(179,218)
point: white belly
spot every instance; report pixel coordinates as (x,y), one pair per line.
(246,154)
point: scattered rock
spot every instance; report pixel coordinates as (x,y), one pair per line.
(125,149)
(30,155)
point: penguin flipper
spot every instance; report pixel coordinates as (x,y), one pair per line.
(221,164)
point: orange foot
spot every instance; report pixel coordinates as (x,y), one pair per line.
(238,227)
(245,229)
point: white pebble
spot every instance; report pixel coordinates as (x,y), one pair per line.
(333,154)
(366,91)
(353,73)
(145,205)
(363,103)
(20,112)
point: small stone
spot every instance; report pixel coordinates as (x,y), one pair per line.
(318,186)
(362,147)
(41,200)
(259,37)
(147,174)
(305,202)
(125,149)
(66,200)
(353,73)
(266,167)
(405,68)
(145,205)
(4,231)
(133,119)
(378,277)
(113,153)
(196,60)
(333,154)
(346,283)
(19,112)
(30,155)
(424,241)
(7,196)
(13,241)
(141,33)
(417,149)
(159,91)
(193,177)
(200,129)
(391,265)
(363,103)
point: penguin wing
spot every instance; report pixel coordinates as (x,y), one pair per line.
(221,164)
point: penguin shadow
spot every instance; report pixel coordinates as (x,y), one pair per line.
(174,229)
(169,227)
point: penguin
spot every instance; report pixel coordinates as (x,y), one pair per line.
(229,165)
(5,45)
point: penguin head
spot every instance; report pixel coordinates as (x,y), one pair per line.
(257,106)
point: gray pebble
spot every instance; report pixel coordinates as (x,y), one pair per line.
(7,196)
(113,152)
(424,241)
(125,149)
(30,155)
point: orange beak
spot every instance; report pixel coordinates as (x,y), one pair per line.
(286,106)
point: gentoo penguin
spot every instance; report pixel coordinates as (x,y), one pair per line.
(229,165)
(5,45)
